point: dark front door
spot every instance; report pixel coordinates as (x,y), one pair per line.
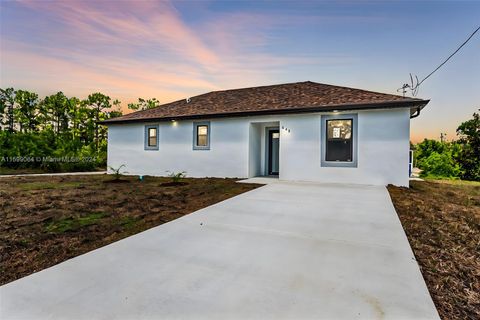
(273,151)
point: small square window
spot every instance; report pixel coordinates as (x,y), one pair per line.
(201,138)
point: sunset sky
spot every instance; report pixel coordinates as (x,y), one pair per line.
(172,50)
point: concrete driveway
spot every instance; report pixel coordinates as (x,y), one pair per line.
(283,251)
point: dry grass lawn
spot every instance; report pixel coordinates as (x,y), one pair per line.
(46,220)
(442,223)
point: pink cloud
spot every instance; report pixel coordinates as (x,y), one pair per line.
(144,49)
(139,23)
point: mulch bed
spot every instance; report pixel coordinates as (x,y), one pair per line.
(47,220)
(442,223)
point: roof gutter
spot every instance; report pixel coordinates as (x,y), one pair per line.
(416,105)
(416,113)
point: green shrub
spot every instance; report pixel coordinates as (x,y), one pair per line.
(46,151)
(440,165)
(468,156)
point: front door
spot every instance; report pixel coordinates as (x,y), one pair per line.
(273,151)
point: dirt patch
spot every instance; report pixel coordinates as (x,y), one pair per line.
(442,223)
(174,184)
(116,181)
(47,220)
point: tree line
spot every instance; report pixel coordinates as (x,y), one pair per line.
(34,131)
(455,159)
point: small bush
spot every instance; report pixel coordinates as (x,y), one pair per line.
(177,176)
(117,173)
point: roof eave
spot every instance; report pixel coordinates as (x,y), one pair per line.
(413,104)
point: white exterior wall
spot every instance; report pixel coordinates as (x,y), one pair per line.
(237,148)
(383,146)
(227,157)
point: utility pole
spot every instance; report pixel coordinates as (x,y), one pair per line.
(443,137)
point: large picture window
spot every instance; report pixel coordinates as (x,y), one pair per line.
(339,145)
(151,137)
(201,136)
(339,140)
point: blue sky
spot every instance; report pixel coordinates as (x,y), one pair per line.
(171,50)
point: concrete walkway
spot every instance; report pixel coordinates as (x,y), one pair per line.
(283,251)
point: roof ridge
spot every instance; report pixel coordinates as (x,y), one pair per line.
(299,82)
(363,90)
(225,90)
(264,86)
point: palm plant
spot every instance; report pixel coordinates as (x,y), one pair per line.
(117,174)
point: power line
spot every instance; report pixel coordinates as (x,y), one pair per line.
(449,56)
(414,88)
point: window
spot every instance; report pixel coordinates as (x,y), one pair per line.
(151,137)
(339,140)
(201,136)
(339,145)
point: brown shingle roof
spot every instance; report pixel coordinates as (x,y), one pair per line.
(274,99)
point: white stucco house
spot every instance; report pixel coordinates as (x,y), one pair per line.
(302,131)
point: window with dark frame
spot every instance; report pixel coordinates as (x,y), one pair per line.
(202,135)
(339,144)
(152,137)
